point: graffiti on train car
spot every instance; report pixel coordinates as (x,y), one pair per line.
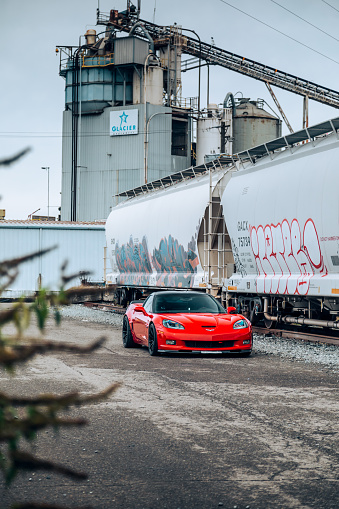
(133,262)
(169,265)
(174,265)
(287,256)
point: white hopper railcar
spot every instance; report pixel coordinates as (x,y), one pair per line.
(261,233)
(159,240)
(282,215)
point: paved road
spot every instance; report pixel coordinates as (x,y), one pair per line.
(186,431)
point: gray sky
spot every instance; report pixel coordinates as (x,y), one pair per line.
(32,93)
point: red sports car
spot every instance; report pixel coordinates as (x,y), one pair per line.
(185,321)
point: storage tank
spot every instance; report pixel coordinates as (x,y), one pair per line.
(208,135)
(252,125)
(155,85)
(95,90)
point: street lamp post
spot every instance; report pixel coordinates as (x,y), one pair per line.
(47,168)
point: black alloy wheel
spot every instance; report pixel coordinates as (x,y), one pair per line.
(152,340)
(127,338)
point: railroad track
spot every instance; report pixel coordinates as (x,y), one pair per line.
(106,307)
(280,333)
(298,335)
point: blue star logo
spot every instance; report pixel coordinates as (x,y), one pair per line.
(123,118)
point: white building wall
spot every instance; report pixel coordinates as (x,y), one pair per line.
(82,245)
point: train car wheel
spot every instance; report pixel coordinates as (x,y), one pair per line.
(269,324)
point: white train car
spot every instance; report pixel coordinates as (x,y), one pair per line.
(282,215)
(159,240)
(260,232)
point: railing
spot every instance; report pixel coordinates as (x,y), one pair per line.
(98,60)
(189,103)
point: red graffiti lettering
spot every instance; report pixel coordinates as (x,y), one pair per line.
(286,257)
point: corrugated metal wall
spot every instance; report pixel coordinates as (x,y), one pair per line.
(130,50)
(108,165)
(81,245)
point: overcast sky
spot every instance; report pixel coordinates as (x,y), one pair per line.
(32,92)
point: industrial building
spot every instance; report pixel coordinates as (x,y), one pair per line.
(82,245)
(126,123)
(127,129)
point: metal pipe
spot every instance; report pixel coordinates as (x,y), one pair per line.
(208,85)
(199,79)
(230,96)
(146,141)
(266,315)
(209,237)
(305,112)
(146,32)
(145,117)
(299,320)
(47,168)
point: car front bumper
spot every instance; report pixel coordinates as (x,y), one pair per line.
(239,341)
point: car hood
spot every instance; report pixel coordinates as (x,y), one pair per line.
(205,320)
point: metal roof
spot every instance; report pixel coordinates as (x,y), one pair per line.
(28,223)
(194,171)
(307,134)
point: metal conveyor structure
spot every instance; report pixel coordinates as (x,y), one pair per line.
(212,55)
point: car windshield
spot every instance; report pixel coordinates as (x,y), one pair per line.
(186,303)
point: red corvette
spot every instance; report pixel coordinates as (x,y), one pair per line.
(185,321)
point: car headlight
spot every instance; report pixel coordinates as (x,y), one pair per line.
(171,324)
(240,324)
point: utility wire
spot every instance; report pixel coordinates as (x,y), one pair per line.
(311,24)
(331,6)
(279,32)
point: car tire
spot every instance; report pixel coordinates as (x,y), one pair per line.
(152,341)
(127,338)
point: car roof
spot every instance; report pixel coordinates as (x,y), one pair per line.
(178,292)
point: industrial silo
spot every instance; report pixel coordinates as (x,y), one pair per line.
(252,125)
(208,134)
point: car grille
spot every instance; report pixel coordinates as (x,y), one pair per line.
(209,344)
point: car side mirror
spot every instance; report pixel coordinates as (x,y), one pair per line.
(231,310)
(140,309)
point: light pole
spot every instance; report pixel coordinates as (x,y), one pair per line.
(47,168)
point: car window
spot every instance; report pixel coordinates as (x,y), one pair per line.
(148,304)
(186,303)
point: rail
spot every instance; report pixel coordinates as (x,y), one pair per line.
(98,60)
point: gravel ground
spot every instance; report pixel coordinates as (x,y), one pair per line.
(85,314)
(311,353)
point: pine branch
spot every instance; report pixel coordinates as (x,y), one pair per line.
(6,265)
(12,159)
(9,355)
(28,426)
(64,400)
(27,461)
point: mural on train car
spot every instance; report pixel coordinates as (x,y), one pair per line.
(169,265)
(287,256)
(133,262)
(174,265)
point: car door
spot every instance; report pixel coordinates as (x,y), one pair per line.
(142,321)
